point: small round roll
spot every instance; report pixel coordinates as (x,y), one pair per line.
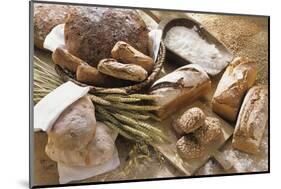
(209,132)
(189,148)
(189,121)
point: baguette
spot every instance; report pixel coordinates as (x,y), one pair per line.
(127,54)
(252,120)
(180,88)
(115,69)
(239,76)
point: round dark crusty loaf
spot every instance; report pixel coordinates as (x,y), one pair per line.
(45,18)
(91,32)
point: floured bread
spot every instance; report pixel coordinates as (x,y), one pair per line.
(77,139)
(180,88)
(252,120)
(238,77)
(75,127)
(98,151)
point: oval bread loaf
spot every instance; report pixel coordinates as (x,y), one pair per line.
(127,54)
(122,71)
(238,77)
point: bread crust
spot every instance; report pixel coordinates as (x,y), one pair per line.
(189,148)
(91,32)
(66,60)
(129,55)
(180,88)
(209,132)
(45,18)
(91,76)
(238,77)
(252,120)
(189,121)
(118,70)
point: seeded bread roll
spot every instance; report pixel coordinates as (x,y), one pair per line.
(189,121)
(252,120)
(45,18)
(209,132)
(180,88)
(115,69)
(189,148)
(91,32)
(238,77)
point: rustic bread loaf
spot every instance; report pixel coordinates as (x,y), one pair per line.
(252,120)
(91,32)
(76,138)
(91,76)
(115,69)
(66,60)
(45,18)
(180,88)
(127,54)
(75,127)
(99,150)
(238,77)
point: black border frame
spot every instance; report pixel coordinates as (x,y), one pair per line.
(31,132)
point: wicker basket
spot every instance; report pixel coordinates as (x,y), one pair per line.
(66,76)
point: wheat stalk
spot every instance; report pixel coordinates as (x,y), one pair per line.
(127,114)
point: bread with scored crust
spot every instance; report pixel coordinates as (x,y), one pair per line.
(180,88)
(238,77)
(252,120)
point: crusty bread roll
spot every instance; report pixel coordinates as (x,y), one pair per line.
(45,18)
(209,132)
(127,54)
(252,120)
(180,88)
(91,76)
(115,69)
(189,121)
(66,60)
(189,148)
(238,77)
(91,32)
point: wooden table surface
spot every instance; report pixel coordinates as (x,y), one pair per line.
(244,36)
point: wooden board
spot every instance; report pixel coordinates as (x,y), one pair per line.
(188,167)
